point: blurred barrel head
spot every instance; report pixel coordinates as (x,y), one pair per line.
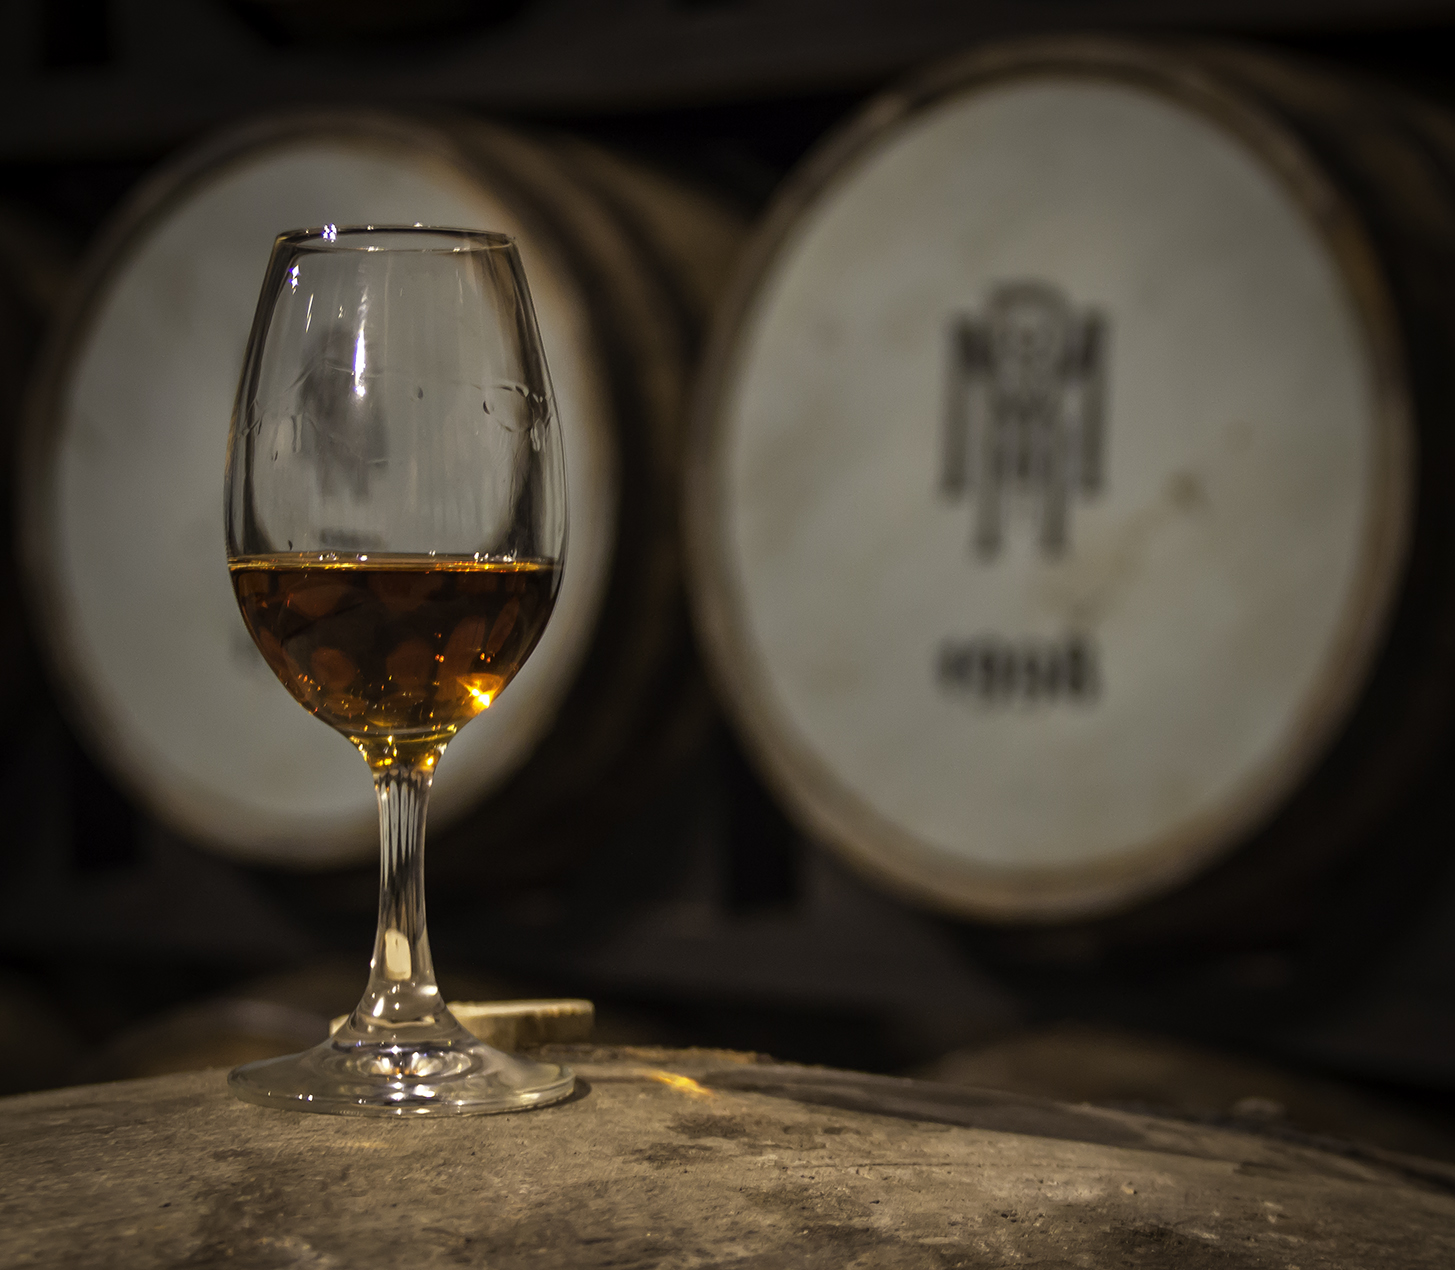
(1065,498)
(122,469)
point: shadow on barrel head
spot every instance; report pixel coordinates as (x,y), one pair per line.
(993,1111)
(907,1099)
(1149,1074)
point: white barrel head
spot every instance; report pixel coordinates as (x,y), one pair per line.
(124,531)
(1051,485)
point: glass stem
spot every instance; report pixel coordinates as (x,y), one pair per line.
(402,1000)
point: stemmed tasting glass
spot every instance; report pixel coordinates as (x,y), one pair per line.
(396,525)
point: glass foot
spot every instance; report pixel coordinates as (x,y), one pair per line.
(459,1076)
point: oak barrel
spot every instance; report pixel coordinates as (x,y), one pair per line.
(696,1158)
(1067,506)
(120,479)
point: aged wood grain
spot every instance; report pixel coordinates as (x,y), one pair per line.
(690,1159)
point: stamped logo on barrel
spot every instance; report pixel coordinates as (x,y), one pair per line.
(1026,411)
(1024,430)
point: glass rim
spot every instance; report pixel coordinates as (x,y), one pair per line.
(332,238)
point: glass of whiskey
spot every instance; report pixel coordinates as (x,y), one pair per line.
(395,511)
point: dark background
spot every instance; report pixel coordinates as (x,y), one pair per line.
(702,916)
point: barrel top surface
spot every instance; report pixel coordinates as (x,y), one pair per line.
(690,1158)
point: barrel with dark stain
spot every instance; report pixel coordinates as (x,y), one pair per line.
(694,1158)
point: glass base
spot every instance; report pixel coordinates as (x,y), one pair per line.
(455,1077)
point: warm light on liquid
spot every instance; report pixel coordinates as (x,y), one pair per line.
(396,652)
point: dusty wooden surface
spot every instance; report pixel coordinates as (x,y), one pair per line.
(741,1164)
